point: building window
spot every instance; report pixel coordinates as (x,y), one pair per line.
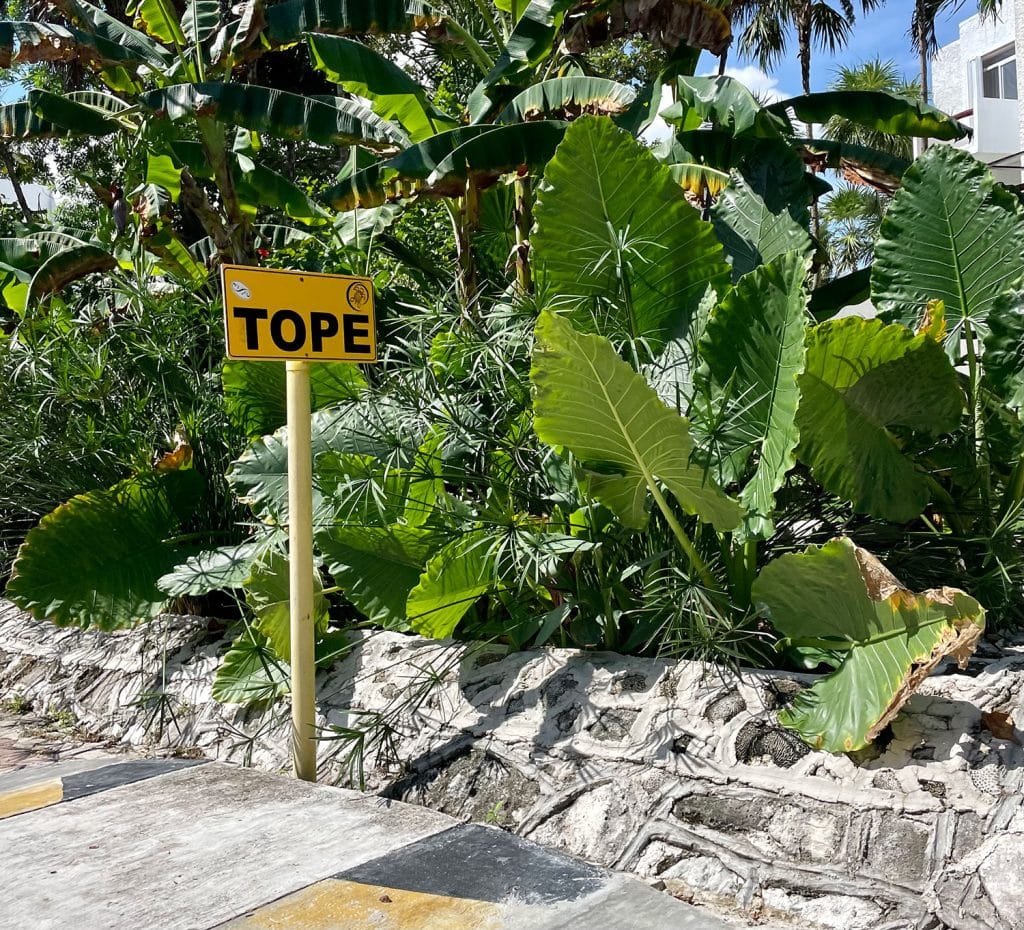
(999,75)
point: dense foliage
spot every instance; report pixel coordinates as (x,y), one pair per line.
(617,406)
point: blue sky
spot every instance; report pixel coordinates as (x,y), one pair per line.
(881,33)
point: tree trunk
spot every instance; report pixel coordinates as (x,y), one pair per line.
(467,218)
(922,51)
(804,42)
(239,227)
(523,222)
(19,194)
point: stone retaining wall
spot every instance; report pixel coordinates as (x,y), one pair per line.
(673,771)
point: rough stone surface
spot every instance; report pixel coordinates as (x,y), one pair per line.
(669,770)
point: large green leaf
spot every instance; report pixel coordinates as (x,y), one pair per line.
(159,19)
(727,104)
(217,569)
(329,121)
(863,380)
(444,161)
(754,345)
(254,392)
(1004,347)
(251,673)
(454,580)
(266,592)
(755,230)
(200,22)
(626,440)
(260,475)
(830,298)
(261,187)
(30,42)
(96,560)
(69,265)
(391,92)
(377,566)
(608,210)
(944,238)
(840,598)
(504,149)
(287,22)
(101,24)
(568,97)
(43,114)
(881,170)
(878,110)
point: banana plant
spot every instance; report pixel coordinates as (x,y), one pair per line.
(172,92)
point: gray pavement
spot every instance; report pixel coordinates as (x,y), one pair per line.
(174,844)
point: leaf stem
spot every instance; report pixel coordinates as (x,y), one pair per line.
(699,565)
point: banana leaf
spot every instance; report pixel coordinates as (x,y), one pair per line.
(391,92)
(159,19)
(46,115)
(287,22)
(23,43)
(727,104)
(877,110)
(442,162)
(104,26)
(567,98)
(529,44)
(329,121)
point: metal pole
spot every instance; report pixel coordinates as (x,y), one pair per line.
(300,575)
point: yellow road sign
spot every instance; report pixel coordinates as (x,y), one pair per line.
(294,315)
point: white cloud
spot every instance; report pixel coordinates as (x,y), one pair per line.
(762,85)
(659,130)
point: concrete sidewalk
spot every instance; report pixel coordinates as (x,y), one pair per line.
(168,844)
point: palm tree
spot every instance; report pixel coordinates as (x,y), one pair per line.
(765,37)
(851,216)
(767,24)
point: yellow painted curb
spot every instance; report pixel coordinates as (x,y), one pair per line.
(31,797)
(331,904)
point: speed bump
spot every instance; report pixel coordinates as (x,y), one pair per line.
(31,797)
(34,788)
(334,903)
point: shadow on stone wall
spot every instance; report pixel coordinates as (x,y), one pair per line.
(672,771)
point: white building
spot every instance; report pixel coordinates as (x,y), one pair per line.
(975,80)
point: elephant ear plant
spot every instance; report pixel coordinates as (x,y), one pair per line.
(841,600)
(641,437)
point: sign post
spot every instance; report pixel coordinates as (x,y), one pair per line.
(299,317)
